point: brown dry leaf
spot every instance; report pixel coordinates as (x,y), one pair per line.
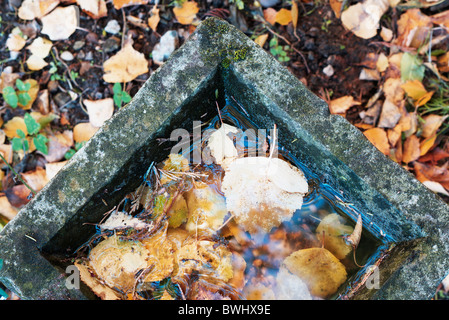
(354,237)
(441,19)
(283,17)
(125,66)
(426,172)
(51,169)
(413,28)
(389,115)
(95,9)
(336,6)
(101,290)
(58,145)
(12,125)
(31,9)
(342,104)
(7,152)
(154,19)
(431,124)
(443,63)
(269,15)
(99,110)
(187,12)
(411,150)
(434,156)
(427,144)
(6,209)
(36,179)
(8,79)
(378,137)
(295,14)
(260,40)
(118,4)
(393,90)
(18,195)
(83,131)
(61,23)
(363,18)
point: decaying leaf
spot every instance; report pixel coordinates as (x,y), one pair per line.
(416,90)
(262,192)
(331,232)
(221,144)
(294,14)
(363,18)
(431,124)
(354,238)
(336,6)
(51,169)
(187,12)
(207,208)
(31,9)
(125,66)
(61,23)
(341,105)
(39,48)
(10,128)
(428,172)
(15,41)
(122,220)
(260,40)
(101,290)
(36,179)
(413,28)
(95,9)
(389,115)
(99,110)
(269,15)
(322,272)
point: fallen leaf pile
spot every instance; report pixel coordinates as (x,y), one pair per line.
(398,118)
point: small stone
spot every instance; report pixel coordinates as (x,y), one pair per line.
(89,56)
(328,71)
(111,44)
(165,47)
(113,27)
(309,44)
(67,56)
(78,45)
(268,3)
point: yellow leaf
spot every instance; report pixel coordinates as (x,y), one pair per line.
(378,137)
(12,125)
(187,13)
(125,66)
(427,144)
(294,13)
(270,15)
(336,7)
(154,19)
(118,4)
(260,40)
(414,89)
(83,131)
(283,17)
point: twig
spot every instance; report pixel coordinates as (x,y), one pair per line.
(18,175)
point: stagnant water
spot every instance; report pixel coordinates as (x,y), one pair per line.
(263,254)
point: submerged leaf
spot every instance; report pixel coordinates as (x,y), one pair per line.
(262,192)
(333,230)
(319,269)
(221,145)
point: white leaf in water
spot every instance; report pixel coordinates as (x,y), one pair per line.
(122,220)
(221,145)
(262,192)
